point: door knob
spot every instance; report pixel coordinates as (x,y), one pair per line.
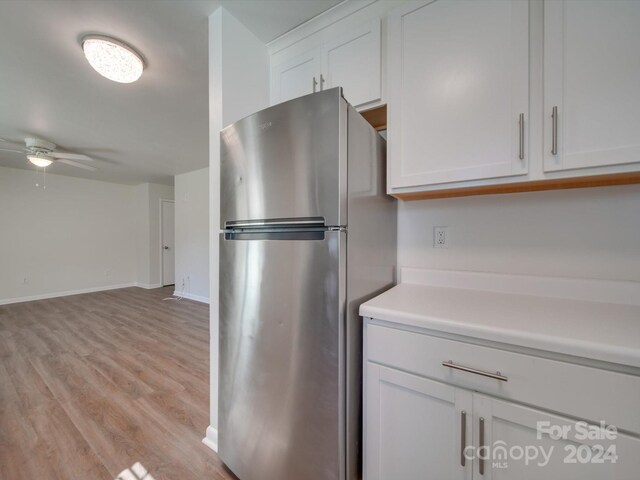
(165,247)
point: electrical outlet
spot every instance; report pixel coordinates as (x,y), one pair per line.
(440,237)
(25,280)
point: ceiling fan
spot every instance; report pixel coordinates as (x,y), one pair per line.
(42,154)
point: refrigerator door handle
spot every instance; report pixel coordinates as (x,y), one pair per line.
(276,222)
(277,234)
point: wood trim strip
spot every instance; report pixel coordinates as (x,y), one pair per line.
(532,186)
(377,117)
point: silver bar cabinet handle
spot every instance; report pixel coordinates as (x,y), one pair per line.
(315,84)
(321,82)
(554,131)
(463,436)
(521,133)
(495,376)
(480,447)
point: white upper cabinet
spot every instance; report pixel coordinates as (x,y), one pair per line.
(353,63)
(592,81)
(341,48)
(458,90)
(295,77)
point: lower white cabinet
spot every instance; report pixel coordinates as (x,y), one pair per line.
(518,445)
(415,427)
(421,428)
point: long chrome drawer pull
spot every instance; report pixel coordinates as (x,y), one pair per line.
(481,454)
(554,131)
(496,376)
(521,135)
(463,436)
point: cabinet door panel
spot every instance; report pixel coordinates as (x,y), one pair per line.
(413,427)
(353,63)
(592,73)
(458,82)
(295,77)
(512,426)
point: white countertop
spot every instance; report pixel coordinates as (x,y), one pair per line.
(595,330)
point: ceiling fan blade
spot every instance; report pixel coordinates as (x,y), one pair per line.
(76,164)
(71,156)
(12,150)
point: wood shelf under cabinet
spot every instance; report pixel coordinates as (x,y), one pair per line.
(532,186)
(377,117)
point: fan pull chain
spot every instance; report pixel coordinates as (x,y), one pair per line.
(44,178)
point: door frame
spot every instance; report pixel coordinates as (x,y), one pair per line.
(162,202)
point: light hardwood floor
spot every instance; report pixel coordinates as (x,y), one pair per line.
(91,384)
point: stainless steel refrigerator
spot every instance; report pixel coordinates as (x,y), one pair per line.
(308,235)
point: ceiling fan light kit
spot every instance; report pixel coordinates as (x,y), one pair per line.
(113,58)
(42,154)
(40,160)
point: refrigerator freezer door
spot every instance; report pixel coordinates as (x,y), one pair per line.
(281,404)
(287,161)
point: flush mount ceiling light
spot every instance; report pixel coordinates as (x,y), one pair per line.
(40,160)
(112,58)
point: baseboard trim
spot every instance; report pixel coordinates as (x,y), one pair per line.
(44,296)
(148,286)
(191,296)
(211,438)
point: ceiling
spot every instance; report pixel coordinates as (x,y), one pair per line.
(147,131)
(268,19)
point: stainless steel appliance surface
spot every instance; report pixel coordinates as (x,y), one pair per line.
(308,234)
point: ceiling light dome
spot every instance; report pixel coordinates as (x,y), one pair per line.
(112,58)
(40,159)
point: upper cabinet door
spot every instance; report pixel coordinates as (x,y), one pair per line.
(458,91)
(592,79)
(296,77)
(353,63)
(414,427)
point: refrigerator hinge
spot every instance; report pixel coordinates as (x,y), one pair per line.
(336,229)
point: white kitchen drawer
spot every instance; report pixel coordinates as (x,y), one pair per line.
(584,392)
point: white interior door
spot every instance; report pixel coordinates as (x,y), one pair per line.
(167,213)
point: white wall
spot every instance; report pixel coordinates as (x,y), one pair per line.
(77,235)
(238,86)
(192,235)
(586,233)
(141,208)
